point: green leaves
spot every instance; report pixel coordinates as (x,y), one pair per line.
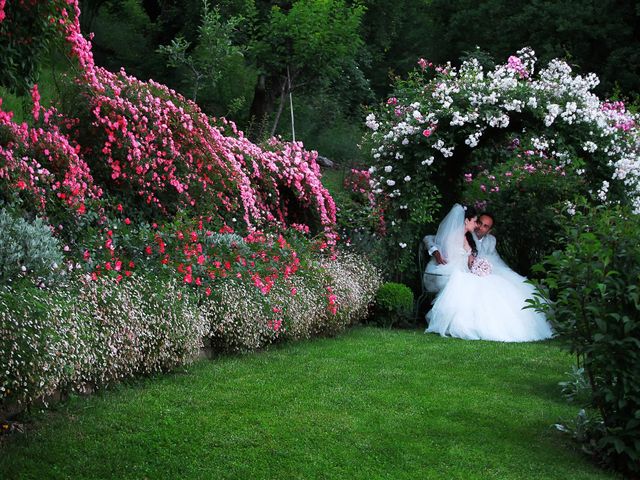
(592,292)
(214,47)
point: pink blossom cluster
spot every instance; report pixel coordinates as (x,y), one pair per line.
(165,150)
(332,305)
(359,181)
(617,111)
(489,183)
(196,253)
(42,162)
(423,64)
(515,63)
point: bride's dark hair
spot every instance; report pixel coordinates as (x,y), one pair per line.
(469,213)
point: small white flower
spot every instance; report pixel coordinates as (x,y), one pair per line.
(391,183)
(407,178)
(388,168)
(402,245)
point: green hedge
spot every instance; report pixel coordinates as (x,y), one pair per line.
(592,298)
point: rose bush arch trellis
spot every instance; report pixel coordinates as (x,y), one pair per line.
(449,133)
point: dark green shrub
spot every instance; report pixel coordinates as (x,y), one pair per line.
(524,188)
(592,298)
(394,304)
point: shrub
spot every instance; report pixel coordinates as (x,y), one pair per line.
(394,303)
(354,280)
(41,166)
(449,130)
(322,299)
(27,249)
(91,334)
(591,295)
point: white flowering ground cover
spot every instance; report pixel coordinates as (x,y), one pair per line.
(373,403)
(89,335)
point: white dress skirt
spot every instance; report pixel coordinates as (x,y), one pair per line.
(487,307)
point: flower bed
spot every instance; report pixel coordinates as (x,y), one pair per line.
(165,229)
(89,334)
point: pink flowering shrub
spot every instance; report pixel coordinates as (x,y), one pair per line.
(174,226)
(42,167)
(157,152)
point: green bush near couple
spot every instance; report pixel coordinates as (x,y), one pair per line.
(394,304)
(592,287)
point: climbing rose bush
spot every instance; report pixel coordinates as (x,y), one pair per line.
(40,165)
(451,128)
(158,152)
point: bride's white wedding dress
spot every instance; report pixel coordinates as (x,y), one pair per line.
(481,308)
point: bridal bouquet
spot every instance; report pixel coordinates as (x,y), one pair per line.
(481,267)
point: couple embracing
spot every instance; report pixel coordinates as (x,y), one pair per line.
(479,296)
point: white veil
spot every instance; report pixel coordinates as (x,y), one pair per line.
(450,236)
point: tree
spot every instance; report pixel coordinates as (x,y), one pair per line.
(302,45)
(213,47)
(599,36)
(28,31)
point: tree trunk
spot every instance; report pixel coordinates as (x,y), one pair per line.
(283,94)
(260,108)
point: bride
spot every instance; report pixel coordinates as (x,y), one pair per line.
(479,301)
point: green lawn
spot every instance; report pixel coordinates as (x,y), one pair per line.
(371,404)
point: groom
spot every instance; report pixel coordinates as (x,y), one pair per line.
(485,243)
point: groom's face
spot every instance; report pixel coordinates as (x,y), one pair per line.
(483,226)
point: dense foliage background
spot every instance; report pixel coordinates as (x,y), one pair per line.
(340,54)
